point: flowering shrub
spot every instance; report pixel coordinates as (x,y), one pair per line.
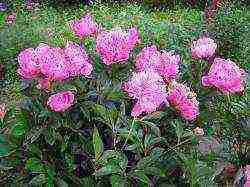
(132,105)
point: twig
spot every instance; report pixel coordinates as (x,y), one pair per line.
(130,131)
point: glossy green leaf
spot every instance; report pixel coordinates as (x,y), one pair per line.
(114,158)
(140,174)
(50,135)
(4,146)
(97,143)
(107,170)
(19,129)
(117,181)
(39,180)
(34,165)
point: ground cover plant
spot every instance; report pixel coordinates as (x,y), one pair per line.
(97,93)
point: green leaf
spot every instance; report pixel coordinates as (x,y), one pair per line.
(88,181)
(19,129)
(117,181)
(154,171)
(113,157)
(38,180)
(35,151)
(3,139)
(34,165)
(139,174)
(98,145)
(4,150)
(50,135)
(178,129)
(107,170)
(62,183)
(113,94)
(102,112)
(155,129)
(4,146)
(33,135)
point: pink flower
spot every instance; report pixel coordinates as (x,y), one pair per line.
(53,62)
(84,27)
(225,75)
(61,101)
(116,45)
(203,48)
(29,65)
(165,63)
(147,58)
(44,84)
(79,60)
(31,5)
(247,174)
(3,110)
(148,88)
(184,101)
(10,18)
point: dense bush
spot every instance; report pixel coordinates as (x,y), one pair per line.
(90,105)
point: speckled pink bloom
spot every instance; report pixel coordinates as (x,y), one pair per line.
(165,63)
(225,75)
(116,45)
(148,88)
(203,48)
(61,101)
(183,100)
(29,65)
(53,62)
(79,60)
(84,27)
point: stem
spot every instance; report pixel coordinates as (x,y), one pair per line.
(177,145)
(130,131)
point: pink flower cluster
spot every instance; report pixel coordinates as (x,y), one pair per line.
(61,101)
(225,75)
(116,45)
(165,63)
(54,63)
(203,48)
(84,27)
(184,101)
(148,88)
